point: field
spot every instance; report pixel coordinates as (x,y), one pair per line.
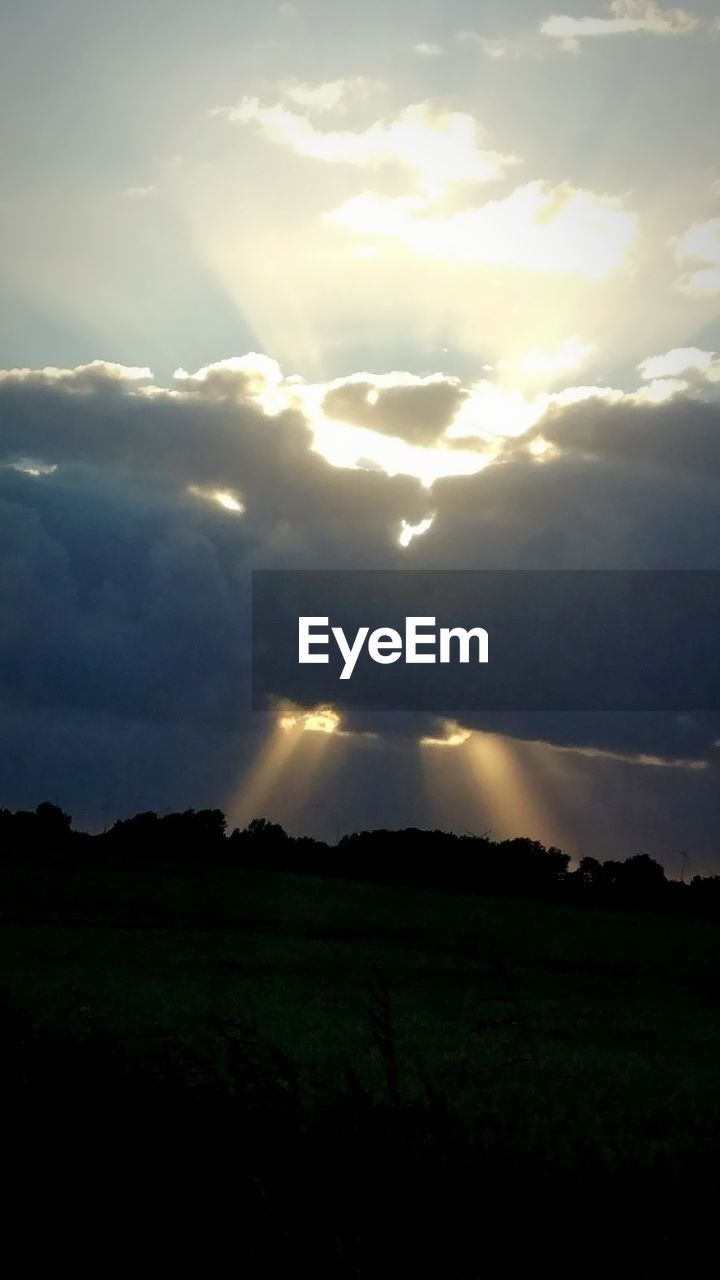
(564,1057)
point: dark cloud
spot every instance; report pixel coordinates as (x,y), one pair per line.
(682,434)
(576,511)
(297,505)
(418,413)
(125,596)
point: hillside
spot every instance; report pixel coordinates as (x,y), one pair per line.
(497,1039)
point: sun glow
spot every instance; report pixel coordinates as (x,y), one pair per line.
(456,736)
(552,230)
(410,531)
(439,147)
(224,498)
(321,720)
(286,767)
(482,775)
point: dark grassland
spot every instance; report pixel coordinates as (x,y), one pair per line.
(279,1075)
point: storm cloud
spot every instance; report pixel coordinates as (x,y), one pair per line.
(125,576)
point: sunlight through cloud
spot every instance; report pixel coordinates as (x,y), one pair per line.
(442,147)
(563,230)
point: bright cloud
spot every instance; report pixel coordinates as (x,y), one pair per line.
(680,360)
(539,228)
(226,499)
(254,377)
(491,411)
(701,284)
(442,147)
(455,736)
(701,243)
(659,390)
(626,17)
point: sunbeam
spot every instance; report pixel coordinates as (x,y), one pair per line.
(484,776)
(292,754)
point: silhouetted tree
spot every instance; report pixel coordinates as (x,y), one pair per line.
(46,829)
(190,834)
(640,878)
(589,875)
(434,858)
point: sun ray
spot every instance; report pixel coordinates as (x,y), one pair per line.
(293,752)
(489,779)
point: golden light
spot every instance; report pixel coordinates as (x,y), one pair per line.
(485,777)
(227,500)
(508,796)
(286,765)
(456,736)
(322,720)
(286,723)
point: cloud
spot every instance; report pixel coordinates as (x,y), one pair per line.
(209,431)
(700,243)
(455,736)
(84,377)
(700,284)
(677,435)
(652,762)
(125,557)
(330,95)
(124,575)
(562,229)
(682,360)
(418,410)
(441,147)
(626,17)
(425,50)
(252,377)
(124,568)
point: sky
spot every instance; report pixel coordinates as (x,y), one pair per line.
(319,285)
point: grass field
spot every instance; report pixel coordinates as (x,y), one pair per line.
(581,1041)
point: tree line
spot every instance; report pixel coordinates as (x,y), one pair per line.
(430,858)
